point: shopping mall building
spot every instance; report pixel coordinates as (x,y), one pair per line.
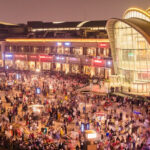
(130,44)
(70,47)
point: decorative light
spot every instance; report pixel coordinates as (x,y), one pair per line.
(56,40)
(109,63)
(59,44)
(67,43)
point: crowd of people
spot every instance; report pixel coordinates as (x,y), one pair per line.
(46,111)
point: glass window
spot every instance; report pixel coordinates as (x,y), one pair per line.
(91,51)
(78,51)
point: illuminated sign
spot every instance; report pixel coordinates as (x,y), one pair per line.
(74,60)
(99,62)
(33,57)
(130,54)
(103,45)
(22,57)
(45,58)
(59,58)
(8,56)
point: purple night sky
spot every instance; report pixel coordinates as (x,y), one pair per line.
(21,11)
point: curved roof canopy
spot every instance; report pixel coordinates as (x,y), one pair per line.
(137,13)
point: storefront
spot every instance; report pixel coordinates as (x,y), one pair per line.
(32,59)
(91,51)
(58,62)
(45,62)
(104,49)
(65,68)
(77,50)
(99,65)
(74,63)
(89,70)
(8,59)
(74,68)
(58,66)
(20,62)
(46,65)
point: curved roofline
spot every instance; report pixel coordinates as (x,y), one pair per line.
(148,10)
(81,24)
(138,10)
(5,23)
(144,34)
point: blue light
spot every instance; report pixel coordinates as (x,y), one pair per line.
(109,62)
(67,43)
(8,56)
(38,90)
(7,67)
(82,127)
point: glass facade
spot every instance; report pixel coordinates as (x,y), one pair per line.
(131,55)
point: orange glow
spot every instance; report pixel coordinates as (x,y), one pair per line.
(57,40)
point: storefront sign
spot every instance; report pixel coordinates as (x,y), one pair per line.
(8,56)
(33,57)
(103,45)
(20,57)
(99,62)
(74,60)
(45,58)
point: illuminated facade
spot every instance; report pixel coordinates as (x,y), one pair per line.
(130,45)
(69,47)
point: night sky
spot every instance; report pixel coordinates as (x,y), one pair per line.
(21,11)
